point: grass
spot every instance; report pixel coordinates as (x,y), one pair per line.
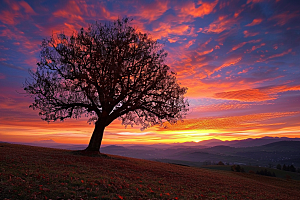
(42,173)
(279,173)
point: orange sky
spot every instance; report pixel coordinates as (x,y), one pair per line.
(239,60)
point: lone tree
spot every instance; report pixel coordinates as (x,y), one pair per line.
(107,71)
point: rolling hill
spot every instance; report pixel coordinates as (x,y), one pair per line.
(28,172)
(281,152)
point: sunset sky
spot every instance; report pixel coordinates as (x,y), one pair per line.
(239,59)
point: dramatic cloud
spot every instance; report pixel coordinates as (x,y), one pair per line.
(197,10)
(238,58)
(256,95)
(221,24)
(226,122)
(283,18)
(255,22)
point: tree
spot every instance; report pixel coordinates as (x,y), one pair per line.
(278,166)
(107,72)
(292,168)
(284,167)
(220,163)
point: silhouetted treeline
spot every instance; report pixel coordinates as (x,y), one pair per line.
(265,172)
(290,168)
(237,168)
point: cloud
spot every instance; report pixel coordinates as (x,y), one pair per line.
(246,70)
(7,17)
(255,1)
(16,12)
(197,10)
(221,24)
(218,123)
(205,52)
(73,15)
(285,17)
(275,55)
(151,11)
(228,62)
(256,95)
(255,47)
(250,34)
(224,50)
(169,30)
(280,54)
(220,107)
(249,95)
(254,22)
(240,45)
(12,66)
(25,44)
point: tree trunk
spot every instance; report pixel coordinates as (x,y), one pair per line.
(96,138)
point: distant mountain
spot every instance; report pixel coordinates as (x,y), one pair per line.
(260,141)
(282,152)
(250,142)
(45,142)
(52,144)
(233,143)
(263,151)
(292,146)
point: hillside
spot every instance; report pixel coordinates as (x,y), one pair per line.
(28,172)
(282,152)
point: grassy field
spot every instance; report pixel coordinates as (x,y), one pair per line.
(42,173)
(279,173)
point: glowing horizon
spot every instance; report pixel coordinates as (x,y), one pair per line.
(239,60)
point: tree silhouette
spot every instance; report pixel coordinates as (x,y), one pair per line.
(292,168)
(107,71)
(284,167)
(278,166)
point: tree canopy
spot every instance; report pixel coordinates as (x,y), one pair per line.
(106,72)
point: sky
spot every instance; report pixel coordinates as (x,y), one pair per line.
(239,59)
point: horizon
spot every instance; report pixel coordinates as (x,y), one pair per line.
(211,142)
(239,60)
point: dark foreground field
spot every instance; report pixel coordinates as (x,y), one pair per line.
(41,173)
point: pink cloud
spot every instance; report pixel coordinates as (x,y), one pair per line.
(258,94)
(197,10)
(205,52)
(227,63)
(26,46)
(190,43)
(237,13)
(275,55)
(254,22)
(255,47)
(7,17)
(27,7)
(151,11)
(283,18)
(245,70)
(240,45)
(221,24)
(163,29)
(227,122)
(219,107)
(255,1)
(250,34)
(17,12)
